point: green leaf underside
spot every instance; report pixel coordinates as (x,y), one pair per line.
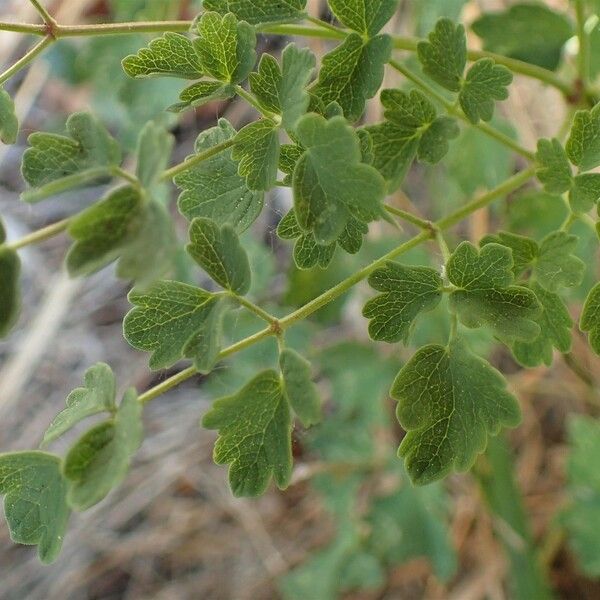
(52,157)
(9,124)
(226,47)
(583,145)
(218,251)
(254,435)
(585,193)
(366,17)
(171,54)
(330,183)
(485,83)
(97,396)
(486,295)
(406,293)
(173,321)
(101,231)
(444,54)
(553,168)
(257,150)
(200,93)
(154,148)
(214,189)
(257,12)
(10,290)
(281,90)
(99,460)
(524,250)
(590,318)
(299,388)
(555,331)
(449,401)
(530,32)
(35,501)
(352,73)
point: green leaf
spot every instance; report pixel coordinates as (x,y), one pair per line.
(406,293)
(449,401)
(226,47)
(102,230)
(10,291)
(254,435)
(444,55)
(299,388)
(583,145)
(257,150)
(434,144)
(171,54)
(553,168)
(97,396)
(53,157)
(485,83)
(9,124)
(289,155)
(556,265)
(352,73)
(257,12)
(330,183)
(35,501)
(555,331)
(581,517)
(486,296)
(154,148)
(98,462)
(213,188)
(530,32)
(218,251)
(174,321)
(200,93)
(585,193)
(366,17)
(281,90)
(524,250)
(590,318)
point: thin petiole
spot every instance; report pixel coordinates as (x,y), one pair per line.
(257,310)
(46,16)
(40,235)
(26,59)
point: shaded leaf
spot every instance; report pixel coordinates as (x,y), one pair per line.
(10,290)
(556,265)
(524,250)
(155,145)
(200,93)
(257,12)
(590,318)
(553,168)
(585,193)
(366,17)
(583,145)
(9,124)
(299,388)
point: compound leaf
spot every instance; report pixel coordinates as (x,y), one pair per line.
(330,183)
(366,17)
(444,55)
(352,73)
(88,150)
(218,251)
(299,388)
(406,292)
(485,83)
(590,318)
(200,93)
(214,189)
(99,460)
(226,47)
(97,396)
(254,435)
(449,401)
(257,150)
(9,124)
(524,250)
(486,296)
(583,145)
(154,148)
(555,330)
(10,291)
(257,12)
(282,89)
(585,193)
(168,318)
(35,501)
(553,168)
(171,54)
(556,266)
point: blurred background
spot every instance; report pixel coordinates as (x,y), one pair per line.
(350,525)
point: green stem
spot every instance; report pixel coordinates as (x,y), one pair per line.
(257,310)
(123,174)
(46,16)
(583,57)
(26,59)
(40,235)
(250,99)
(62,31)
(409,217)
(451,109)
(24,28)
(195,160)
(441,240)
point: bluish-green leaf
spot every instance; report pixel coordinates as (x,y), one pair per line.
(257,12)
(553,168)
(556,265)
(583,145)
(10,289)
(9,124)
(585,193)
(154,148)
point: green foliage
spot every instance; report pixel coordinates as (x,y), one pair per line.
(554,170)
(155,145)
(99,460)
(259,11)
(254,435)
(366,17)
(9,124)
(10,291)
(200,93)
(35,500)
(448,422)
(590,318)
(583,145)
